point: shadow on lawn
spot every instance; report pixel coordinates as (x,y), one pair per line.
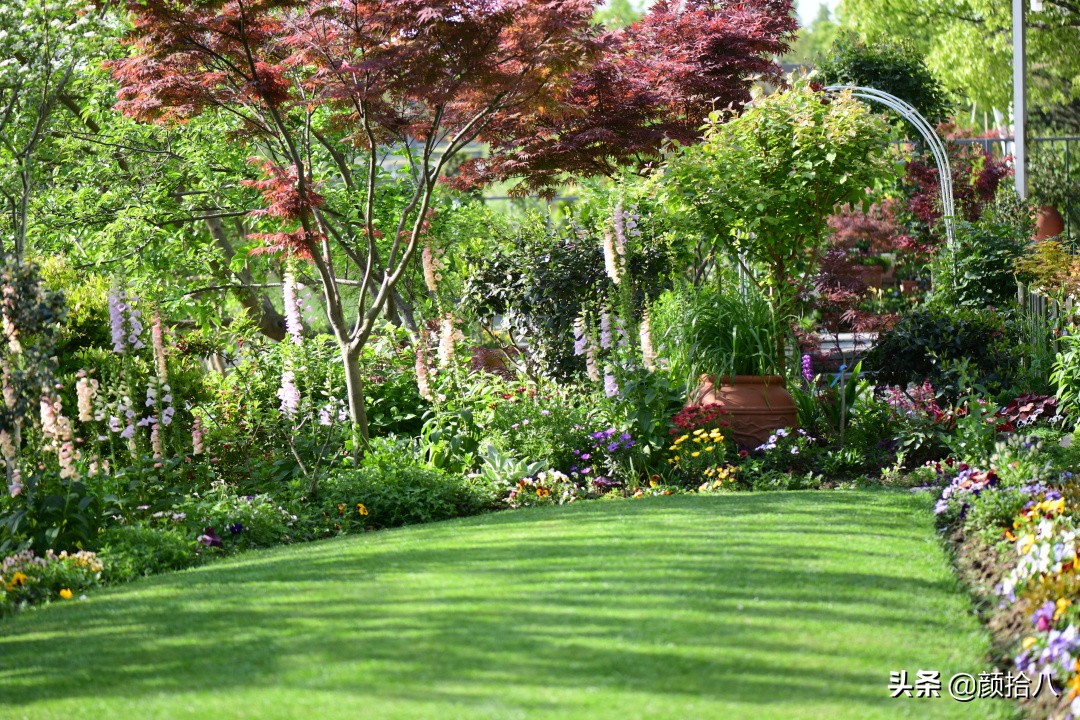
(715,598)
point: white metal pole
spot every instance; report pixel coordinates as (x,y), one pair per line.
(1019,37)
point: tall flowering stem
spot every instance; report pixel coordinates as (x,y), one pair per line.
(125,323)
(605,330)
(197,437)
(289,394)
(157,337)
(432,264)
(448,337)
(86,389)
(293,324)
(581,341)
(423,378)
(648,353)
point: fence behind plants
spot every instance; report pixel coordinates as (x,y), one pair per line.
(1034,303)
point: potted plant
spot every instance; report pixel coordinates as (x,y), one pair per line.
(721,339)
(762,186)
(1051,189)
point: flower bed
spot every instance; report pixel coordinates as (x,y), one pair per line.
(1015,527)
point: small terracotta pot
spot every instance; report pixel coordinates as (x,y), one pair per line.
(909,287)
(758,405)
(1049,223)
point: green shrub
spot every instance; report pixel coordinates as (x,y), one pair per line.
(389,492)
(131,551)
(979,271)
(927,345)
(541,424)
(895,68)
(224,519)
(1066,373)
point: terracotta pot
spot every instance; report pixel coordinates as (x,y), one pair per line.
(757,405)
(909,287)
(1049,223)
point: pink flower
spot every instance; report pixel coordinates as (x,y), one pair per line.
(293,325)
(288,394)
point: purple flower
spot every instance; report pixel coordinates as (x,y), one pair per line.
(293,325)
(807,368)
(288,394)
(605,330)
(116,321)
(585,456)
(625,436)
(209,538)
(236,528)
(1043,617)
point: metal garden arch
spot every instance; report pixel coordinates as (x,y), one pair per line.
(937,147)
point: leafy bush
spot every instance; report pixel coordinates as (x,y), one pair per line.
(925,345)
(541,424)
(131,551)
(540,282)
(1066,374)
(895,68)
(980,271)
(231,521)
(393,493)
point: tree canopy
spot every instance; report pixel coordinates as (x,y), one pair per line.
(968,44)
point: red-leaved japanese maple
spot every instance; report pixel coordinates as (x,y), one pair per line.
(321,89)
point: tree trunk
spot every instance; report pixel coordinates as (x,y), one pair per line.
(269,320)
(354,388)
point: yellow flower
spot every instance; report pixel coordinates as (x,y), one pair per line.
(710,448)
(361,508)
(684,438)
(695,454)
(653,483)
(1028,642)
(18,579)
(542,492)
(1062,605)
(674,447)
(65,594)
(699,431)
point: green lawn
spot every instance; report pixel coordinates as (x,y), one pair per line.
(779,605)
